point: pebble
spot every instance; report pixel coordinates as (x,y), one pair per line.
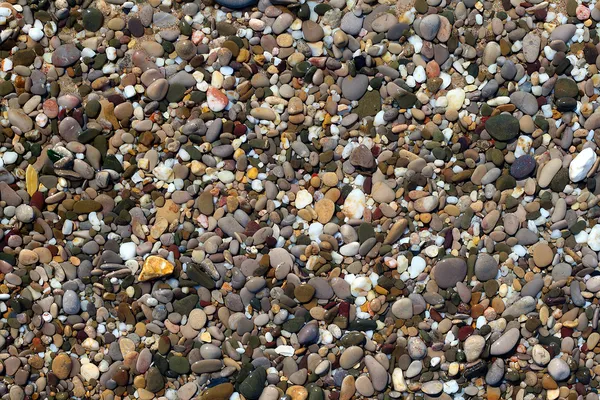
(429,26)
(559,369)
(505,343)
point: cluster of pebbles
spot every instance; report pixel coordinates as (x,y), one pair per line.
(299,199)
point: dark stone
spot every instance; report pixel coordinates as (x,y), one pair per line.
(566,87)
(503,127)
(23,57)
(186,305)
(92,108)
(92,19)
(154,380)
(252,387)
(175,93)
(135,27)
(523,167)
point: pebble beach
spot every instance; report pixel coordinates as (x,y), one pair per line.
(299,200)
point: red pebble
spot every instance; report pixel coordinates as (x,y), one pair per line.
(464,332)
(37,200)
(50,108)
(344,309)
(175,250)
(432,69)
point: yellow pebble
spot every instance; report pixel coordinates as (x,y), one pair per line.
(252,173)
(238,153)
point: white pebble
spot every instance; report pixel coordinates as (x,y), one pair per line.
(36,34)
(10,157)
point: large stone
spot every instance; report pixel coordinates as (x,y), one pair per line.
(252,387)
(503,127)
(92,19)
(486,267)
(505,343)
(403,308)
(362,157)
(61,366)
(449,271)
(582,164)
(353,88)
(20,120)
(531,47)
(520,307)
(565,87)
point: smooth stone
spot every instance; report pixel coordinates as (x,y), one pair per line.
(502,127)
(486,267)
(559,369)
(449,271)
(71,302)
(65,55)
(523,167)
(353,88)
(506,342)
(429,26)
(473,347)
(403,308)
(351,356)
(522,306)
(525,102)
(378,374)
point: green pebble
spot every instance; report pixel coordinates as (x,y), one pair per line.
(369,105)
(406,100)
(168,47)
(560,180)
(304,11)
(252,387)
(301,69)
(185,28)
(111,162)
(6,87)
(179,364)
(321,9)
(100,61)
(421,6)
(88,135)
(503,127)
(186,305)
(175,93)
(506,182)
(202,278)
(92,19)
(92,108)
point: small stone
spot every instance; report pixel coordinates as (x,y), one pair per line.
(65,55)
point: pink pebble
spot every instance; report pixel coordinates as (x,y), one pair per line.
(582,12)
